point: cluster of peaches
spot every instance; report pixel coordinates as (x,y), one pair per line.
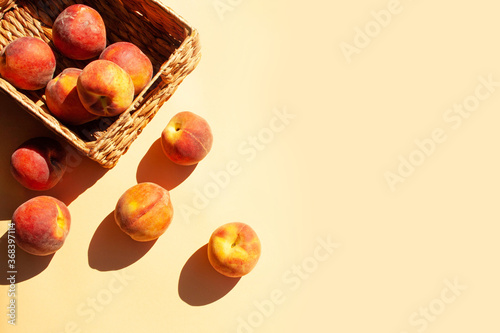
(105,87)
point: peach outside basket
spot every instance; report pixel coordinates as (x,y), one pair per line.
(168,40)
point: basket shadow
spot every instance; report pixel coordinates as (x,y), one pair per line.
(81,174)
(112,249)
(199,283)
(157,168)
(18,126)
(27,265)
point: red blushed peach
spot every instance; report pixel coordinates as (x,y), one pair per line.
(27,63)
(187,139)
(234,249)
(39,163)
(79,32)
(104,88)
(144,211)
(41,225)
(63,100)
(129,57)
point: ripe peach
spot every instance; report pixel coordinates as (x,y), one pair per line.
(234,249)
(39,163)
(27,63)
(63,100)
(144,211)
(79,32)
(41,225)
(104,88)
(132,60)
(187,139)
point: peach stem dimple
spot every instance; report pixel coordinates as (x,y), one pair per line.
(236,241)
(103,101)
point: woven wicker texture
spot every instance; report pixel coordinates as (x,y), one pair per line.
(170,43)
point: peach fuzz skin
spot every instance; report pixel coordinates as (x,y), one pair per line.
(234,249)
(63,100)
(144,211)
(104,88)
(42,225)
(132,60)
(79,32)
(27,63)
(39,163)
(187,138)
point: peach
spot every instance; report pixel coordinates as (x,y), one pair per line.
(63,100)
(27,63)
(79,32)
(104,88)
(129,57)
(187,138)
(234,249)
(144,211)
(41,225)
(39,163)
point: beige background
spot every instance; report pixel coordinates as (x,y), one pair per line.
(420,257)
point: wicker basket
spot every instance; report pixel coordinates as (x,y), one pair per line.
(170,43)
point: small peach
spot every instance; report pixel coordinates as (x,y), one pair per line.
(27,63)
(144,211)
(104,88)
(234,249)
(79,32)
(187,139)
(41,225)
(39,163)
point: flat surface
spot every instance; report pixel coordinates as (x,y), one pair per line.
(365,141)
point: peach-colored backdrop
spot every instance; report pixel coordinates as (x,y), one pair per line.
(362,144)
